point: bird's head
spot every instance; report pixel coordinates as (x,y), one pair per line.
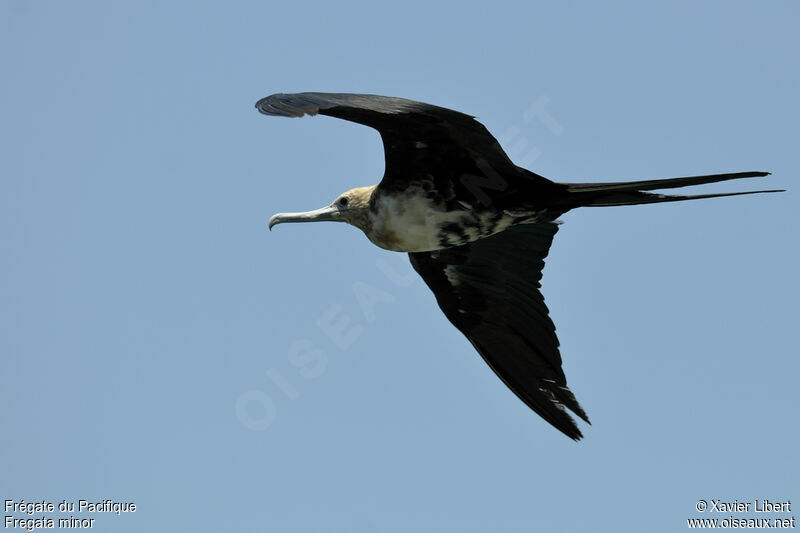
(351,206)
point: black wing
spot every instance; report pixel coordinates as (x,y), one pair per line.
(489,289)
(422,142)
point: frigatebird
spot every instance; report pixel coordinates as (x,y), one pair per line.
(476,227)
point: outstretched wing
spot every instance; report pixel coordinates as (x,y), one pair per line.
(489,289)
(421,141)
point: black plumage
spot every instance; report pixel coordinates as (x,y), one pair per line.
(490,225)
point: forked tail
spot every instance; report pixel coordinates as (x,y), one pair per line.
(633,192)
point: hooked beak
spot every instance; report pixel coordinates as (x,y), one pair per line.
(328,213)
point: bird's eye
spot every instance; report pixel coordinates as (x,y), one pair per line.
(343,201)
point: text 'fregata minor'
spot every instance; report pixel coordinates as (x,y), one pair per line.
(476,228)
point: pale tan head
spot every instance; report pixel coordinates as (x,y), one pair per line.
(351,206)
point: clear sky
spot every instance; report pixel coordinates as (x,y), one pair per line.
(160,346)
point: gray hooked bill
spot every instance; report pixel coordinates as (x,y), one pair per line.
(327,213)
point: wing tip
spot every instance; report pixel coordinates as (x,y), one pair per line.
(285,105)
(569,428)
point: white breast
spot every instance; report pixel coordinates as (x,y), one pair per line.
(412,223)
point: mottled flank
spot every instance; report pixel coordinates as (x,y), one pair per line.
(477,229)
(413,221)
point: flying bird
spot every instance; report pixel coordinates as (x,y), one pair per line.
(476,227)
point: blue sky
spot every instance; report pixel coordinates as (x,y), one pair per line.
(160,346)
